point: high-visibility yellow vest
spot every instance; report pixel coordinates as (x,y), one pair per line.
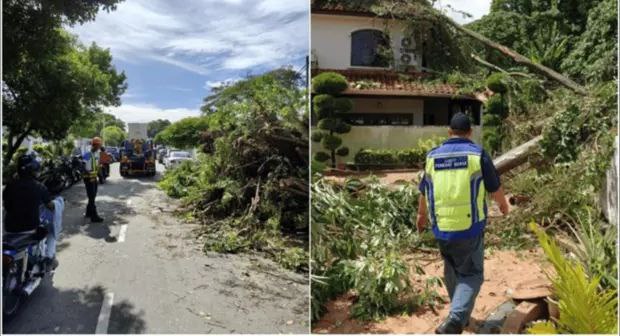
(92,164)
(455,191)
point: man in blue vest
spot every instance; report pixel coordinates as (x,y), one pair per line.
(457,176)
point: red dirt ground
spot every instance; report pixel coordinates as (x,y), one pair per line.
(504,270)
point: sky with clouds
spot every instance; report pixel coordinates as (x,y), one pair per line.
(174,52)
(477,8)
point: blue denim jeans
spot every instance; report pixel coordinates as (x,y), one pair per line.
(463,274)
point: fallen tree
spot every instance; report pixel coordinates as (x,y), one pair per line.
(416,11)
(249,187)
(516,156)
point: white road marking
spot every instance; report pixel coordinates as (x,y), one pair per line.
(104,315)
(121,234)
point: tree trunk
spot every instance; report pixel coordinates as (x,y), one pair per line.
(13,146)
(518,57)
(516,156)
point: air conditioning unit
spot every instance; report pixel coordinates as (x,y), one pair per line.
(408,57)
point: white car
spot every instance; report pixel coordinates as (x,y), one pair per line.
(176,157)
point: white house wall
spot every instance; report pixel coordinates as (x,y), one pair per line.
(331,38)
(382,105)
(390,137)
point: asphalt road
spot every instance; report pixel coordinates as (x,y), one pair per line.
(143,271)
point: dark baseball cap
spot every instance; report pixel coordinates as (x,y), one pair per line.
(461,122)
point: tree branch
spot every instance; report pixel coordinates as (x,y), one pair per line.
(518,58)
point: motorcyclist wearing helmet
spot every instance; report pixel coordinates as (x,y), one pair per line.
(91,169)
(23,196)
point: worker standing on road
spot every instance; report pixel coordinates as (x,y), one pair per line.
(457,176)
(91,168)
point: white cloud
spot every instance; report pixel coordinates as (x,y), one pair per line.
(477,8)
(283,6)
(213,84)
(202,35)
(148,112)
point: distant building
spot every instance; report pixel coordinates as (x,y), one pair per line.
(392,107)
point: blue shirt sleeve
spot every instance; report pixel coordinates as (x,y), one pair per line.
(422,186)
(489,173)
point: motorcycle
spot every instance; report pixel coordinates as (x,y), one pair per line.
(54,177)
(23,263)
(67,167)
(77,166)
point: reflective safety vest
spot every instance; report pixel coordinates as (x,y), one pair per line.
(91,164)
(455,190)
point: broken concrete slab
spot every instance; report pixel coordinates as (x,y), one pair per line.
(524,312)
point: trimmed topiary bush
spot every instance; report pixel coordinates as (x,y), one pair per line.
(330,83)
(327,108)
(321,156)
(327,124)
(323,105)
(342,105)
(342,151)
(331,142)
(342,127)
(317,136)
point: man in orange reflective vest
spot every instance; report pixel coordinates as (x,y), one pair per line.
(91,168)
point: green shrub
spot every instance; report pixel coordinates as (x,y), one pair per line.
(331,142)
(342,151)
(498,83)
(328,124)
(425,145)
(343,105)
(342,127)
(375,157)
(321,156)
(293,258)
(317,136)
(584,308)
(491,120)
(491,139)
(562,136)
(411,157)
(496,106)
(323,105)
(330,83)
(45,151)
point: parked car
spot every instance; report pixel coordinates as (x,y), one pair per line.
(176,157)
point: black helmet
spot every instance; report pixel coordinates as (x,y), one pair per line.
(28,165)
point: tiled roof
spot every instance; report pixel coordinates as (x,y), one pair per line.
(392,83)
